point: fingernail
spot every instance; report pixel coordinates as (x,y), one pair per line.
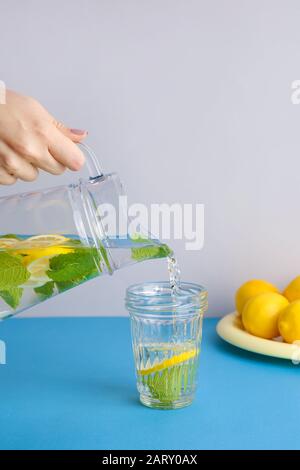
(78,131)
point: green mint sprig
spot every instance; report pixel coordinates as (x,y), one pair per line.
(71,269)
(150,252)
(168,385)
(11,235)
(12,275)
(12,271)
(45,291)
(73,266)
(12,296)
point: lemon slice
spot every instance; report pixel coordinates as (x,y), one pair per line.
(172,361)
(38,270)
(8,242)
(32,254)
(38,241)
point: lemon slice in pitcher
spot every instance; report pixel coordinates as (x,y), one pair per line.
(39,241)
(38,270)
(34,253)
(8,242)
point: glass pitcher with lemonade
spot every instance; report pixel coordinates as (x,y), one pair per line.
(55,239)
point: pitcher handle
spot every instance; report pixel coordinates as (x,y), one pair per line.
(92,162)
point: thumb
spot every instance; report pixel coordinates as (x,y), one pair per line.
(76,135)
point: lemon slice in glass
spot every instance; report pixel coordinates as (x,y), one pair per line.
(170,362)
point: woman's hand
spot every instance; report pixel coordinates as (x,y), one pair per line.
(31,139)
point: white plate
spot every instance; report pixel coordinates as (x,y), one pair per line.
(231,330)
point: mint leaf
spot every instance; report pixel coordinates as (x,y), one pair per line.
(11,235)
(63,286)
(168,385)
(66,285)
(73,266)
(150,252)
(12,296)
(136,238)
(46,290)
(74,241)
(12,271)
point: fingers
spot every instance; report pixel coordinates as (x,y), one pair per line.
(46,162)
(6,178)
(53,153)
(15,166)
(26,167)
(65,151)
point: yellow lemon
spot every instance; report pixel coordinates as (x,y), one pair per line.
(260,314)
(292,291)
(289,322)
(250,289)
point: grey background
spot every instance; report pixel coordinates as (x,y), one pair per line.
(189,101)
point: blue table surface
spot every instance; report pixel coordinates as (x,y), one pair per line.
(69,384)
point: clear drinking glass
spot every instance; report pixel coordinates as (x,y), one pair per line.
(166,336)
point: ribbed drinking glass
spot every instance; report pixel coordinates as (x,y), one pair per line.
(166,336)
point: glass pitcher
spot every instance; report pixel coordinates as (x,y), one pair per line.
(55,239)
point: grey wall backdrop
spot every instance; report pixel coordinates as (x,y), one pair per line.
(189,100)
